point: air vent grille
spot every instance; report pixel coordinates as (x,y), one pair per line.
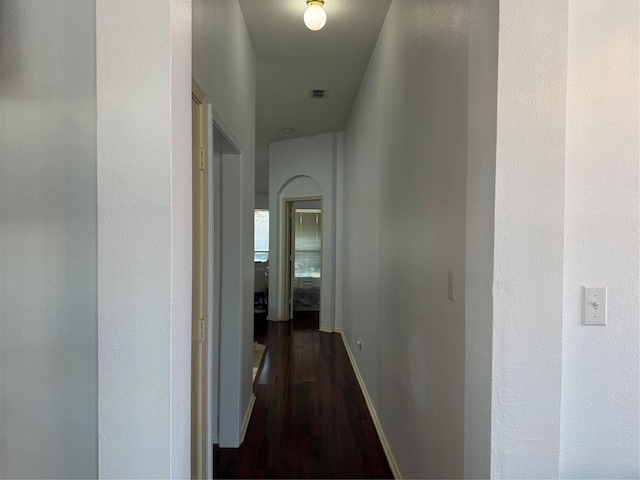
(319,94)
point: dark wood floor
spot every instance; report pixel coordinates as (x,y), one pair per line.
(310,419)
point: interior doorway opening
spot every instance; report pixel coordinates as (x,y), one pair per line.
(213,146)
(303,255)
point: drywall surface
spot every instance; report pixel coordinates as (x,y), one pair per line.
(338,258)
(48,290)
(302,167)
(224,67)
(404,223)
(262,178)
(144,246)
(600,365)
(529,239)
(215,175)
(231,295)
(301,187)
(181,237)
(262,201)
(481,154)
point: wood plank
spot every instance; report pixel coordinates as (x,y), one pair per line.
(310,419)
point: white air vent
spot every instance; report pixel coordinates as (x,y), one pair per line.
(319,94)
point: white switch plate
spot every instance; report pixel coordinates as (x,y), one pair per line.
(594,304)
(451,285)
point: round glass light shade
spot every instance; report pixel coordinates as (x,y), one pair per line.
(315,17)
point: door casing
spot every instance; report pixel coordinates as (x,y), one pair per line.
(199,314)
(288,251)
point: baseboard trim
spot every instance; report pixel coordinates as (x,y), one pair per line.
(215,439)
(247,417)
(275,319)
(325,330)
(383,439)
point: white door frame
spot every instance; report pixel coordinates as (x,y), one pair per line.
(288,253)
(217,137)
(200,310)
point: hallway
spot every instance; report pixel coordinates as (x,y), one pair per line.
(310,419)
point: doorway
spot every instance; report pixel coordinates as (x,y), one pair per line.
(214,146)
(303,256)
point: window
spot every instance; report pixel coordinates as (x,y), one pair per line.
(307,254)
(261,236)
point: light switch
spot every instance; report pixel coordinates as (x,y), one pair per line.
(451,285)
(595,304)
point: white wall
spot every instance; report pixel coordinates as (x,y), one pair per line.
(262,178)
(298,168)
(144,237)
(565,395)
(600,365)
(143,52)
(302,187)
(404,222)
(48,290)
(230,413)
(215,303)
(262,201)
(529,239)
(481,170)
(224,66)
(338,258)
(180,12)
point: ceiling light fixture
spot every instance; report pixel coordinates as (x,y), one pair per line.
(315,17)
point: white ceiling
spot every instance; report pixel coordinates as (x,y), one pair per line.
(292,60)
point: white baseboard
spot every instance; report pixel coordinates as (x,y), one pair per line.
(215,439)
(275,319)
(247,417)
(374,416)
(325,330)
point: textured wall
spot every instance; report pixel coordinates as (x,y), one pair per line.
(481,170)
(144,239)
(181,237)
(600,365)
(224,67)
(404,227)
(529,240)
(48,319)
(565,396)
(303,167)
(262,201)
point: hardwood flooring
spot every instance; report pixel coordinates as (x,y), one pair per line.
(310,419)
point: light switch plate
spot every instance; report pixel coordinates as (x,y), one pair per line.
(594,304)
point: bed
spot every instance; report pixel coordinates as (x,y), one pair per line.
(306,293)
